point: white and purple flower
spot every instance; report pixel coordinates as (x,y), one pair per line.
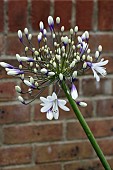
(98,68)
(51,104)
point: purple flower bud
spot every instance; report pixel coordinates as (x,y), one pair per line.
(14,72)
(51,22)
(6,65)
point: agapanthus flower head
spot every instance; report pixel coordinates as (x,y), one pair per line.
(67,59)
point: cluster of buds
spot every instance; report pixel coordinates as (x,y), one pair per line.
(68,58)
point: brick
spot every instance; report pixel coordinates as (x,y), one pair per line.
(40,11)
(100,128)
(50,166)
(38,115)
(64,14)
(85,165)
(1,16)
(84,14)
(63,152)
(17,15)
(106,145)
(106,40)
(7,91)
(90,87)
(13,45)
(105,17)
(109,67)
(104,107)
(35,133)
(14,113)
(15,155)
(2,45)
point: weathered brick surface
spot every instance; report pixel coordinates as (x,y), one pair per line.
(85,165)
(40,10)
(2,46)
(105,21)
(50,166)
(1,15)
(17,15)
(106,145)
(105,39)
(15,155)
(100,128)
(90,87)
(13,45)
(32,133)
(84,14)
(104,107)
(7,91)
(61,152)
(14,113)
(66,14)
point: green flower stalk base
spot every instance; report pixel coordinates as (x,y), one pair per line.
(85,127)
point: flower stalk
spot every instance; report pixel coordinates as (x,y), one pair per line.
(85,127)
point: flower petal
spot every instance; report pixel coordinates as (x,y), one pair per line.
(43,99)
(63,102)
(63,107)
(49,115)
(54,96)
(96,75)
(46,107)
(74,92)
(55,110)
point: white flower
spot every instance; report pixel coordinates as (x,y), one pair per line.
(97,67)
(50,105)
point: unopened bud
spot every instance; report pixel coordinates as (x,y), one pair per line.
(18,89)
(61,76)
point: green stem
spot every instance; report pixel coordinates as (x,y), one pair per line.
(86,127)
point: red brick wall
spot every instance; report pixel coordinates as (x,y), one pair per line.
(30,142)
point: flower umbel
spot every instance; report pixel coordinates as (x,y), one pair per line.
(50,105)
(67,59)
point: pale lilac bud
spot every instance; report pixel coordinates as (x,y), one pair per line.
(51,22)
(6,65)
(20,35)
(82,104)
(29,84)
(41,25)
(99,48)
(76,29)
(61,76)
(44,70)
(29,37)
(26,31)
(27,59)
(20,98)
(39,37)
(44,32)
(18,89)
(58,20)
